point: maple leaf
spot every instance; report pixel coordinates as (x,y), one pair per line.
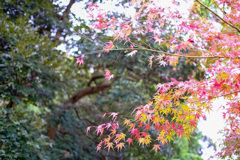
(107,140)
(109,146)
(179,132)
(183,46)
(99,146)
(113,131)
(108,75)
(147,127)
(123,136)
(140,124)
(99,129)
(141,141)
(193,123)
(120,146)
(114,115)
(126,121)
(109,46)
(108,125)
(158,127)
(80,61)
(118,137)
(129,140)
(88,129)
(144,134)
(134,131)
(162,63)
(158,40)
(104,115)
(156,147)
(132,125)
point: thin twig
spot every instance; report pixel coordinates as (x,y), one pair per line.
(153,50)
(218,16)
(82,35)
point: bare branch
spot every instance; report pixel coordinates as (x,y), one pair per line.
(88,91)
(96,76)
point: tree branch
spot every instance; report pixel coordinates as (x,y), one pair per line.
(166,53)
(96,76)
(88,91)
(64,19)
(218,16)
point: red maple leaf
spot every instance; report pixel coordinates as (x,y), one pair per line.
(193,123)
(179,132)
(129,140)
(147,127)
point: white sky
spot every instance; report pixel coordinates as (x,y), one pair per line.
(214,122)
(210,127)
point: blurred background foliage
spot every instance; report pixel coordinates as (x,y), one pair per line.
(47,101)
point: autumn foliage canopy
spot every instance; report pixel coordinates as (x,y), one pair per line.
(212,40)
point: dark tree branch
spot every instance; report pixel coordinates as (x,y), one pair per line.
(64,19)
(75,98)
(95,77)
(88,91)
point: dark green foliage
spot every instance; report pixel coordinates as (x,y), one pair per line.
(22,133)
(28,64)
(43,14)
(29,81)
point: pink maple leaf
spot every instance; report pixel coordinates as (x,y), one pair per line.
(99,129)
(158,39)
(88,129)
(108,125)
(80,61)
(114,115)
(99,146)
(109,46)
(132,47)
(108,75)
